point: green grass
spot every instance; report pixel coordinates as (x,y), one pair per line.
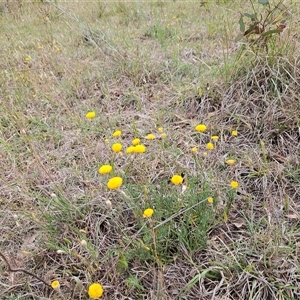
(141,66)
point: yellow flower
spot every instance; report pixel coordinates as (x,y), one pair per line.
(215,137)
(95,291)
(234,184)
(55,284)
(117,133)
(210,146)
(140,149)
(135,141)
(150,136)
(106,140)
(160,129)
(148,213)
(114,183)
(105,169)
(210,199)
(230,162)
(117,147)
(234,132)
(27,58)
(163,135)
(176,179)
(90,115)
(130,149)
(201,128)
(194,149)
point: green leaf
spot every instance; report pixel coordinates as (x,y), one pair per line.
(239,37)
(270,32)
(263,2)
(251,16)
(242,24)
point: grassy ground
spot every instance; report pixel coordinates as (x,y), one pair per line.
(141,66)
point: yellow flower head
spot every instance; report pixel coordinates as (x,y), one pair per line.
(105,169)
(90,115)
(95,291)
(230,162)
(135,141)
(27,58)
(200,128)
(176,179)
(114,183)
(210,199)
(160,129)
(130,149)
(140,149)
(106,140)
(116,147)
(163,134)
(117,133)
(234,184)
(55,284)
(148,213)
(150,136)
(194,149)
(215,138)
(234,133)
(210,146)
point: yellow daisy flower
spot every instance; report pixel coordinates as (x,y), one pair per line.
(210,146)
(117,147)
(55,284)
(230,162)
(130,149)
(140,149)
(200,128)
(117,133)
(105,169)
(150,136)
(234,184)
(148,213)
(135,141)
(234,132)
(95,291)
(114,183)
(90,115)
(176,179)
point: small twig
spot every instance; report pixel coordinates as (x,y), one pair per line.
(10,269)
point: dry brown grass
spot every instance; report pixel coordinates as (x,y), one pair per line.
(141,66)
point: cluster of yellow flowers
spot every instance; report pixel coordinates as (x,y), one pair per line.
(214,138)
(135,147)
(210,146)
(95,290)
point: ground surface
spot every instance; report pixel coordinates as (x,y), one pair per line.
(141,66)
